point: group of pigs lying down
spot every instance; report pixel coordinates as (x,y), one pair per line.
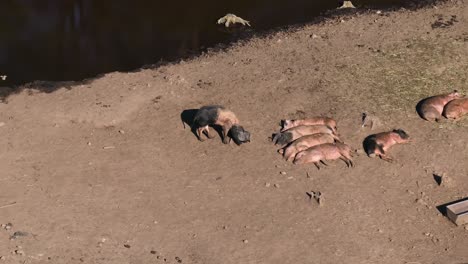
(316,140)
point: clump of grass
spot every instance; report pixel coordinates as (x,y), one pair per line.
(410,71)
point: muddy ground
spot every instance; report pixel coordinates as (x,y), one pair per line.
(102,171)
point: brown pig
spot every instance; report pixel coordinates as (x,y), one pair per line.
(378,144)
(457,108)
(327,151)
(218,115)
(294,133)
(290,123)
(432,107)
(305,142)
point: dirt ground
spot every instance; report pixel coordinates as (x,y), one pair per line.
(102,171)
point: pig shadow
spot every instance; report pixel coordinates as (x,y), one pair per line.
(187,116)
(418,108)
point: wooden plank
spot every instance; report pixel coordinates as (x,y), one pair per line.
(458,212)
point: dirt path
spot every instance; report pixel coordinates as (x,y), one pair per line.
(103,171)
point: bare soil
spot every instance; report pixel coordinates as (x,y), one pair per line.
(103,171)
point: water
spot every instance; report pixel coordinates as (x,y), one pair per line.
(75,39)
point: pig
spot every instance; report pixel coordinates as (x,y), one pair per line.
(378,144)
(219,115)
(305,142)
(294,133)
(290,123)
(456,108)
(327,151)
(432,107)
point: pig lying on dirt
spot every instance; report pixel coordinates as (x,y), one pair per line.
(218,115)
(456,109)
(305,142)
(432,107)
(294,133)
(378,144)
(287,123)
(327,151)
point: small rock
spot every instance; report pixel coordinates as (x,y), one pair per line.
(245,241)
(127,245)
(378,12)
(89,143)
(19,252)
(466,227)
(121,132)
(8,226)
(276,185)
(18,234)
(153,252)
(2,124)
(282,172)
(179,260)
(317,196)
(2,258)
(267,184)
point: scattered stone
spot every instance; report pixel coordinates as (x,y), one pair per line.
(179,260)
(267,184)
(153,252)
(89,143)
(370,121)
(8,226)
(2,124)
(18,234)
(317,196)
(282,172)
(19,252)
(127,245)
(108,147)
(245,241)
(276,185)
(466,227)
(121,132)
(2,258)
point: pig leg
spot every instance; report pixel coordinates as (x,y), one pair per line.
(345,161)
(207,132)
(386,158)
(317,165)
(348,156)
(323,162)
(200,133)
(226,129)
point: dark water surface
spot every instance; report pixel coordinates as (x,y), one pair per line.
(75,39)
